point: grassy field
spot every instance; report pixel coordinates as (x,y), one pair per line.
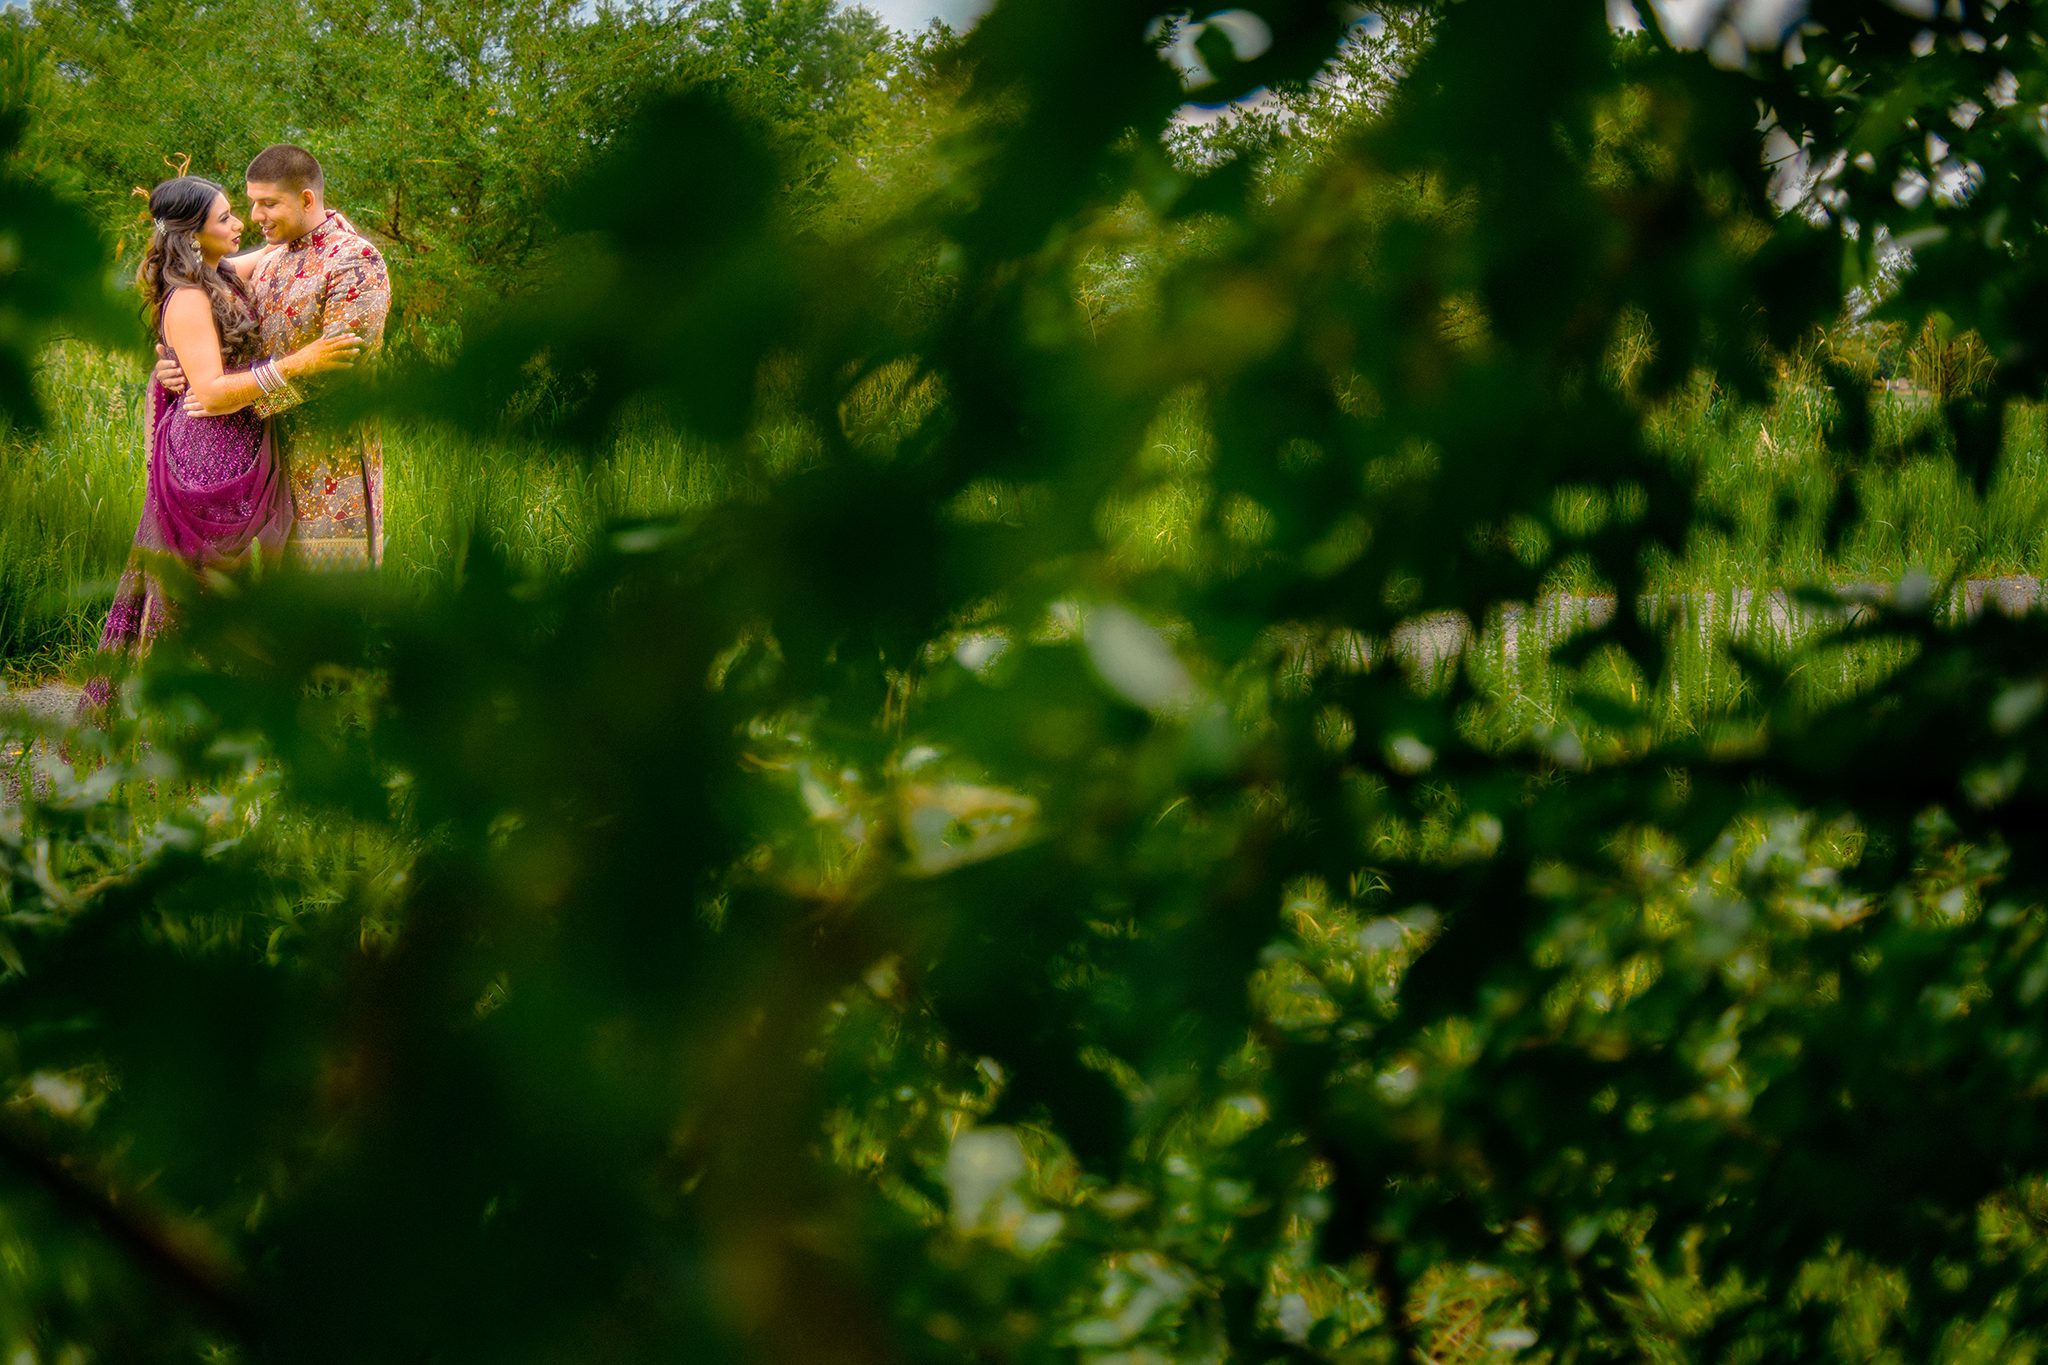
(1770,473)
(74,491)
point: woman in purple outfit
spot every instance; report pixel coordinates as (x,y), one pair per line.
(216,500)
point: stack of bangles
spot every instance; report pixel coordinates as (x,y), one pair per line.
(269,378)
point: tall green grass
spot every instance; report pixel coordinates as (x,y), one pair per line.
(71,493)
(69,498)
(1767,478)
(1769,475)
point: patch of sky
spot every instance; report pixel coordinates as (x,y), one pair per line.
(1732,32)
(1248,37)
(908,16)
(1725,27)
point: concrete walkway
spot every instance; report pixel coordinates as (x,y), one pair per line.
(52,703)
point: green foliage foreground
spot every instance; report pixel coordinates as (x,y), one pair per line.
(872,921)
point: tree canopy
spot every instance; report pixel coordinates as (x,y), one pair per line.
(444,128)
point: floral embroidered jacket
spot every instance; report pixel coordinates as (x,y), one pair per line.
(329,280)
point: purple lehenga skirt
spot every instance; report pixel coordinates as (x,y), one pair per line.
(216,501)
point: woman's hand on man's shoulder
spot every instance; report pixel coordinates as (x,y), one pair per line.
(244,265)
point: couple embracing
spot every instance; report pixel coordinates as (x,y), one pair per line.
(239,472)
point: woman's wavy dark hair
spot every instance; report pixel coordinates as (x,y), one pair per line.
(180,208)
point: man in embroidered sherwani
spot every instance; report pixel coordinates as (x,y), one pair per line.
(319,276)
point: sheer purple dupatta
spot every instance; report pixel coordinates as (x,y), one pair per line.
(216,501)
(215,489)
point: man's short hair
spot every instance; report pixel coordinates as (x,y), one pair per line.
(291,167)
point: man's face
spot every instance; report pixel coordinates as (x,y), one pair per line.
(282,214)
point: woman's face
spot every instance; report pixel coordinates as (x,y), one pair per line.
(222,232)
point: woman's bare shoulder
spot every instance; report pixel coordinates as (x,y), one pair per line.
(187,316)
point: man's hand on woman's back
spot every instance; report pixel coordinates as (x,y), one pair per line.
(168,372)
